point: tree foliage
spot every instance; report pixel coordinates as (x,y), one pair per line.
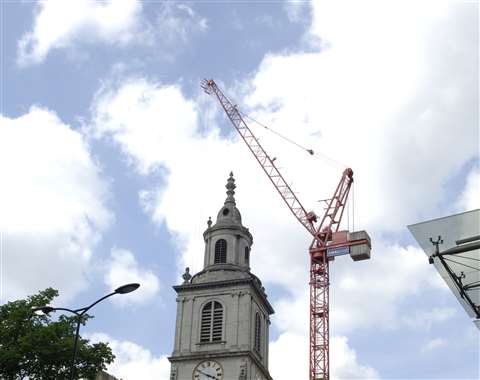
(37,347)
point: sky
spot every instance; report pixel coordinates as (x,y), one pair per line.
(112,159)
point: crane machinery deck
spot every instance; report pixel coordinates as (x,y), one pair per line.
(328,241)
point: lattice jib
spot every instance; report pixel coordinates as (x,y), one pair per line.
(261,156)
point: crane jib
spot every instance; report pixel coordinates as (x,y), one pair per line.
(261,156)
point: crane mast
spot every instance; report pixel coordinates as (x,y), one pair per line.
(320,282)
(326,237)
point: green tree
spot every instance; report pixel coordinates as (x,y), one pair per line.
(36,347)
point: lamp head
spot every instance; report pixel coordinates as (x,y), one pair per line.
(42,309)
(127,288)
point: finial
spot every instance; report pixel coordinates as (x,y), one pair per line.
(187,276)
(209,222)
(230,189)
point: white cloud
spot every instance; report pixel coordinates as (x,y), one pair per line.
(145,119)
(390,277)
(156,127)
(60,24)
(123,269)
(470,197)
(178,22)
(396,103)
(354,285)
(53,205)
(297,10)
(434,344)
(425,319)
(344,362)
(289,359)
(133,361)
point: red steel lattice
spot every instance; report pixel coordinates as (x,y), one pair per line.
(319,267)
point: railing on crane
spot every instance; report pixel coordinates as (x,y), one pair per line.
(327,243)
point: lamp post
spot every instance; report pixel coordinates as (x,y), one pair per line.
(81,312)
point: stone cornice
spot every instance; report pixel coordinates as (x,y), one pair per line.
(230,227)
(222,266)
(228,283)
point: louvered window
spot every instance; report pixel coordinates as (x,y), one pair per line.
(212,322)
(221,251)
(257,332)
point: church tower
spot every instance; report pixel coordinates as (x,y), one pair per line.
(223,314)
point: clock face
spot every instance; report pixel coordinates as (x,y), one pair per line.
(208,370)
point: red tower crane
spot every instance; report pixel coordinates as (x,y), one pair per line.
(327,243)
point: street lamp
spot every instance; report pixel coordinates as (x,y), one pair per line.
(124,289)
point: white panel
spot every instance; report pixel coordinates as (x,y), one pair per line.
(467,264)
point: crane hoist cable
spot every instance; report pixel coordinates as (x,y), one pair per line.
(309,151)
(331,161)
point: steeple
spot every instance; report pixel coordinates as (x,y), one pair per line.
(227,242)
(223,315)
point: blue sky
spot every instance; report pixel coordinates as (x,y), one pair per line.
(112,160)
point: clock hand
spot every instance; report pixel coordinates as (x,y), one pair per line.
(210,376)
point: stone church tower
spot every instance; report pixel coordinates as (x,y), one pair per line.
(223,314)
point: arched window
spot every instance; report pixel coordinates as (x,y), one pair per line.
(221,251)
(258,332)
(212,322)
(247,255)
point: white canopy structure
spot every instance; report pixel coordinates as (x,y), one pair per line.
(452,245)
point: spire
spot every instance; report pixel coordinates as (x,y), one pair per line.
(229,213)
(230,189)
